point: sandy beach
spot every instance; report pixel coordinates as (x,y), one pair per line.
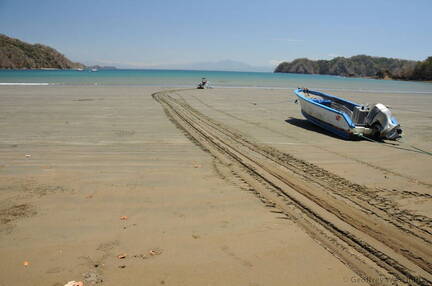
(115,185)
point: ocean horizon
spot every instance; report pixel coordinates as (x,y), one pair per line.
(217,79)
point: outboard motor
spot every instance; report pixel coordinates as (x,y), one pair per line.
(381,119)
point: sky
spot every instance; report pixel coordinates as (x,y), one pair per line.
(157,33)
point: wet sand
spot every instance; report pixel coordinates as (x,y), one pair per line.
(74,160)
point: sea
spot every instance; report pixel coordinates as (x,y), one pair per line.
(217,79)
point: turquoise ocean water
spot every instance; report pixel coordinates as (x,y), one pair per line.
(218,79)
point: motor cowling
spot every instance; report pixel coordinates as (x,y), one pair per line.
(380,118)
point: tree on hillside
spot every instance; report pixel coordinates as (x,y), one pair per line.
(423,70)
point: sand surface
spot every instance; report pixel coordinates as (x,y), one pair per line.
(75,160)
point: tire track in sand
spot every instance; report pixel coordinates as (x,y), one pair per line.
(259,125)
(382,200)
(377,247)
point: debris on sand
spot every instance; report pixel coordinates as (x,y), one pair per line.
(155,252)
(26,263)
(142,256)
(124,218)
(122,256)
(74,283)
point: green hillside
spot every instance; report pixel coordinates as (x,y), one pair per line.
(16,54)
(362,66)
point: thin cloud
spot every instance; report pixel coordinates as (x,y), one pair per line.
(291,40)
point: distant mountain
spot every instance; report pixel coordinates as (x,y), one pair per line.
(16,54)
(98,67)
(356,66)
(226,65)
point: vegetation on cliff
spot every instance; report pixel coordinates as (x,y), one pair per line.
(362,66)
(423,70)
(16,54)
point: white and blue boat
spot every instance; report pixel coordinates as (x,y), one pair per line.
(348,119)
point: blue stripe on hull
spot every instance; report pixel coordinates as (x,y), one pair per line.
(339,132)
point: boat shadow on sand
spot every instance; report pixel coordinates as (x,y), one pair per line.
(305,124)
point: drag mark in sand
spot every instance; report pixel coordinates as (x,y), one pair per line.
(20,204)
(377,246)
(10,214)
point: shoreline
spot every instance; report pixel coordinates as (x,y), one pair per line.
(213,87)
(361,77)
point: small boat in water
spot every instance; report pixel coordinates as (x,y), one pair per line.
(348,119)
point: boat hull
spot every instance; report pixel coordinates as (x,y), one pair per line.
(327,118)
(331,128)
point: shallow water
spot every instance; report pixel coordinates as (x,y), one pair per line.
(217,79)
